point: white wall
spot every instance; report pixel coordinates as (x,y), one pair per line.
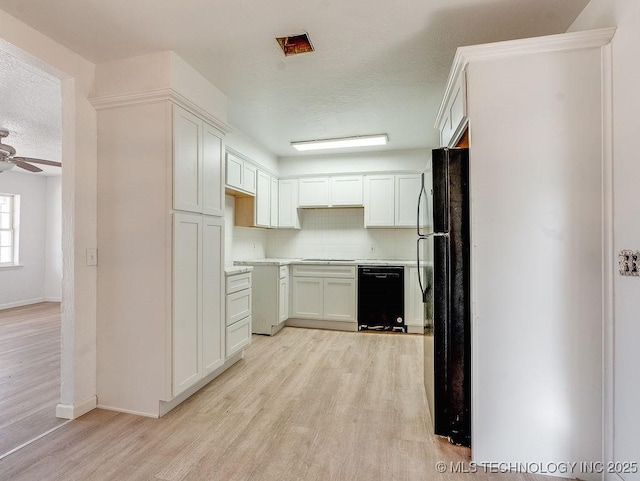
(79,157)
(536,197)
(340,234)
(25,285)
(248,148)
(53,245)
(384,161)
(623,386)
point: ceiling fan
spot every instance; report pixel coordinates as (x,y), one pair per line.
(8,159)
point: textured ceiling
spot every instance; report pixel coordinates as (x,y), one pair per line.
(379,65)
(30,110)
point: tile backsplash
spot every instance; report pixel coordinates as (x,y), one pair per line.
(339,234)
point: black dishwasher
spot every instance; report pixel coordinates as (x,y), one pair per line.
(381,298)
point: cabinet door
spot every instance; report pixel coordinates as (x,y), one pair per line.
(379,206)
(307,297)
(212,171)
(187,315)
(263,200)
(274,202)
(346,191)
(234,171)
(283,300)
(413,308)
(249,178)
(407,191)
(187,161)
(288,204)
(213,325)
(340,299)
(313,192)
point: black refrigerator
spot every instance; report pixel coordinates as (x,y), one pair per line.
(444,277)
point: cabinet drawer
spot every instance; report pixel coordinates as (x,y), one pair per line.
(238,306)
(238,282)
(238,336)
(284,272)
(310,270)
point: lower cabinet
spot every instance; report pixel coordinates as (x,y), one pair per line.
(239,309)
(324,293)
(198,334)
(270,298)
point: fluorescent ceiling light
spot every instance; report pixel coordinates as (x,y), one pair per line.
(360,141)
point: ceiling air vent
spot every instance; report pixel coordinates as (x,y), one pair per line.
(295,44)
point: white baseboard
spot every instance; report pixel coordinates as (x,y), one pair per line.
(351,326)
(27,302)
(53,299)
(73,411)
(127,411)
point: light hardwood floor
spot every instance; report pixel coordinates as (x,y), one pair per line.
(303,405)
(29,372)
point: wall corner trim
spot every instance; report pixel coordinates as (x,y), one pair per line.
(69,411)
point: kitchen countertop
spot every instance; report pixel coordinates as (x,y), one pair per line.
(232,270)
(327,262)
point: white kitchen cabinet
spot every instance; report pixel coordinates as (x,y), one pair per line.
(239,310)
(391,200)
(379,208)
(197,295)
(288,216)
(197,162)
(452,118)
(263,200)
(283,300)
(413,305)
(212,171)
(187,161)
(407,190)
(324,292)
(187,309)
(213,326)
(274,203)
(270,298)
(307,300)
(347,191)
(241,175)
(339,300)
(161,257)
(314,192)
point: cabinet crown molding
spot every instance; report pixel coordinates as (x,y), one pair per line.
(158,95)
(549,43)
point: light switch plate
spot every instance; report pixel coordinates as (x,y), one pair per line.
(629,263)
(92,257)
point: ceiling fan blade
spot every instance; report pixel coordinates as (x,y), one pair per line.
(25,166)
(37,161)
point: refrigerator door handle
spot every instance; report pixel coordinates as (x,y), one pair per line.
(422,191)
(418,261)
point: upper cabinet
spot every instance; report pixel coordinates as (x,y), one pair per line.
(337,191)
(391,200)
(346,191)
(452,117)
(260,210)
(288,216)
(241,175)
(197,162)
(263,201)
(314,192)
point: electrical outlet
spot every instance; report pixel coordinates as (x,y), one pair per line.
(629,263)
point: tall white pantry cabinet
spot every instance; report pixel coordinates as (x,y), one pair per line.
(161,329)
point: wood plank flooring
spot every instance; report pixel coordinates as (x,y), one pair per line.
(29,372)
(303,405)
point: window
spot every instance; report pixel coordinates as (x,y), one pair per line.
(9,221)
